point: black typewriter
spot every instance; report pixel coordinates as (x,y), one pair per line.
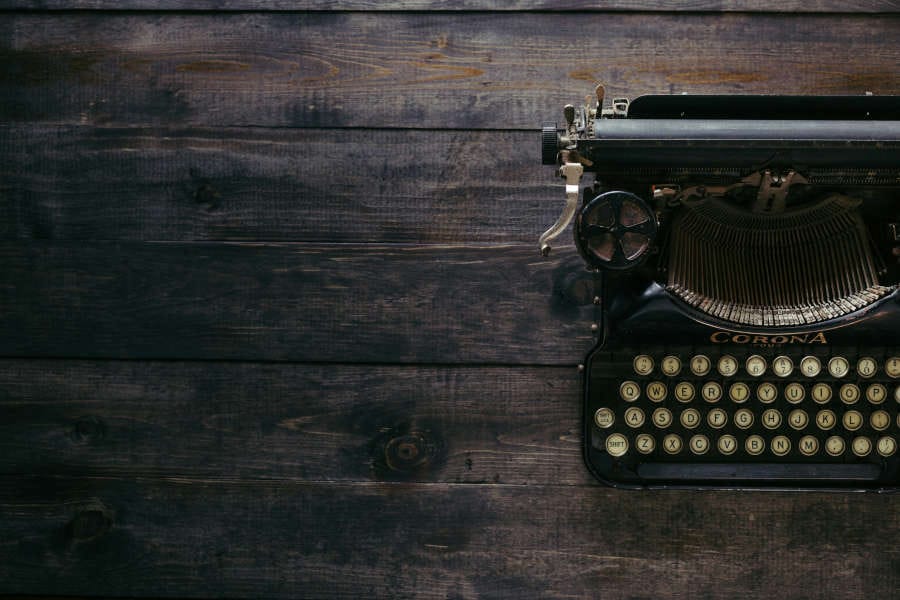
(745,249)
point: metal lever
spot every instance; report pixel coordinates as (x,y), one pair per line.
(773,190)
(572,173)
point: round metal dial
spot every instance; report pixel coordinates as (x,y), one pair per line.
(615,230)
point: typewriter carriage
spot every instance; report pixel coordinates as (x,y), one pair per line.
(739,184)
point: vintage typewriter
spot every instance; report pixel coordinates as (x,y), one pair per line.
(745,250)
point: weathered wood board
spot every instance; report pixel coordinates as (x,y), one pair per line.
(188,537)
(792,6)
(312,185)
(274,323)
(413,70)
(297,422)
(299,302)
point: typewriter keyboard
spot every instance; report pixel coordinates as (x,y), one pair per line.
(696,409)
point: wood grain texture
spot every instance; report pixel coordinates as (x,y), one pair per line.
(501,71)
(84,183)
(517,425)
(188,537)
(495,304)
(400,149)
(792,6)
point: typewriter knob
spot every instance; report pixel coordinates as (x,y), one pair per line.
(615,230)
(549,144)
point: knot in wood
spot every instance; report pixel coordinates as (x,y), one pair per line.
(206,193)
(88,524)
(407,452)
(88,428)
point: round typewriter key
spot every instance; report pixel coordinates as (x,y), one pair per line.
(886,446)
(866,367)
(616,444)
(657,391)
(810,366)
(699,444)
(766,393)
(756,365)
(821,393)
(717,418)
(711,391)
(861,446)
(852,420)
(879,420)
(834,445)
(782,366)
(670,365)
(808,445)
(826,419)
(892,367)
(739,392)
(876,393)
(604,418)
(780,445)
(727,365)
(643,364)
(661,417)
(794,393)
(771,419)
(849,393)
(690,418)
(798,419)
(672,443)
(754,445)
(727,444)
(743,418)
(634,417)
(700,365)
(645,443)
(629,391)
(838,366)
(684,391)
(897,393)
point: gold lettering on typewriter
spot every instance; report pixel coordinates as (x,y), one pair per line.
(726,337)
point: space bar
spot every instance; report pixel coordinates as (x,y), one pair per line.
(759,471)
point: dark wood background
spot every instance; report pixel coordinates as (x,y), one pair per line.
(273,322)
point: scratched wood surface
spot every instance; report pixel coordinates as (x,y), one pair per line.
(297,422)
(414,70)
(300,302)
(790,6)
(274,324)
(250,538)
(424,187)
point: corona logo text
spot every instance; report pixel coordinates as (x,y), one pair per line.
(726,337)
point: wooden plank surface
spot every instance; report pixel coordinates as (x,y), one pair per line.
(299,302)
(189,537)
(211,478)
(85,183)
(516,425)
(792,6)
(409,70)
